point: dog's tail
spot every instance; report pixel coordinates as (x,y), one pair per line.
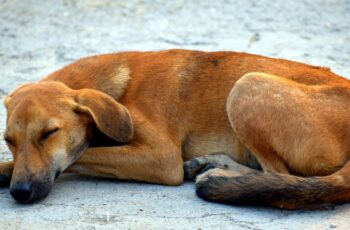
(277,190)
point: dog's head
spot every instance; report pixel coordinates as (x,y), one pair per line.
(49,126)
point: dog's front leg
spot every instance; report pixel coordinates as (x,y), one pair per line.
(160,165)
(6,169)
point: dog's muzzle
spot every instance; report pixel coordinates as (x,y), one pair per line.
(22,191)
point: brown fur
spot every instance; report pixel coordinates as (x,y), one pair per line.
(156,109)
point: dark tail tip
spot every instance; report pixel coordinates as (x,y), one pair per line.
(203,189)
(216,189)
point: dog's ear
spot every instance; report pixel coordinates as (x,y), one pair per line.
(6,99)
(110,117)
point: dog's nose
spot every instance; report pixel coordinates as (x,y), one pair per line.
(21,191)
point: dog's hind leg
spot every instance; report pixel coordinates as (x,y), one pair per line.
(245,106)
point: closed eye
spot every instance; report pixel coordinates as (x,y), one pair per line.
(46,134)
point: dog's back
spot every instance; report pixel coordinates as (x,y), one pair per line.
(187,90)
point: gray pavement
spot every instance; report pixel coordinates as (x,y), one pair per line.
(37,37)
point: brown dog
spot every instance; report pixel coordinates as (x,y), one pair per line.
(138,115)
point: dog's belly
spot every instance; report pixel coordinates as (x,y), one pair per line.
(199,145)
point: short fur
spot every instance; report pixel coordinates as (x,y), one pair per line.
(157,109)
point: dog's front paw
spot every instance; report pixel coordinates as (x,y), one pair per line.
(4,181)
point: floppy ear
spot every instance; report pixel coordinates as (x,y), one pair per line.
(110,117)
(6,99)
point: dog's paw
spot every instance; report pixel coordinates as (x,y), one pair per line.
(202,164)
(4,181)
(195,167)
(216,172)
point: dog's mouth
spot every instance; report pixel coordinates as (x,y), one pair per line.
(57,174)
(32,188)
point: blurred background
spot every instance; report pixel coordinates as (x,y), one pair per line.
(38,37)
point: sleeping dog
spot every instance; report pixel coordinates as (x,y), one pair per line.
(252,129)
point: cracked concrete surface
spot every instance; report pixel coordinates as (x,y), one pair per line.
(37,37)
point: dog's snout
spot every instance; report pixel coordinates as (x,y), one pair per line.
(22,191)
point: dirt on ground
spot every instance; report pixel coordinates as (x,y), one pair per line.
(37,37)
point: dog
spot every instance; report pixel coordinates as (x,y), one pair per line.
(252,130)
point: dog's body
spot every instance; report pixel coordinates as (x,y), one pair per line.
(183,105)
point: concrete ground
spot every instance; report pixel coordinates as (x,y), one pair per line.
(37,37)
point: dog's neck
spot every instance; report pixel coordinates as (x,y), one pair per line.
(111,78)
